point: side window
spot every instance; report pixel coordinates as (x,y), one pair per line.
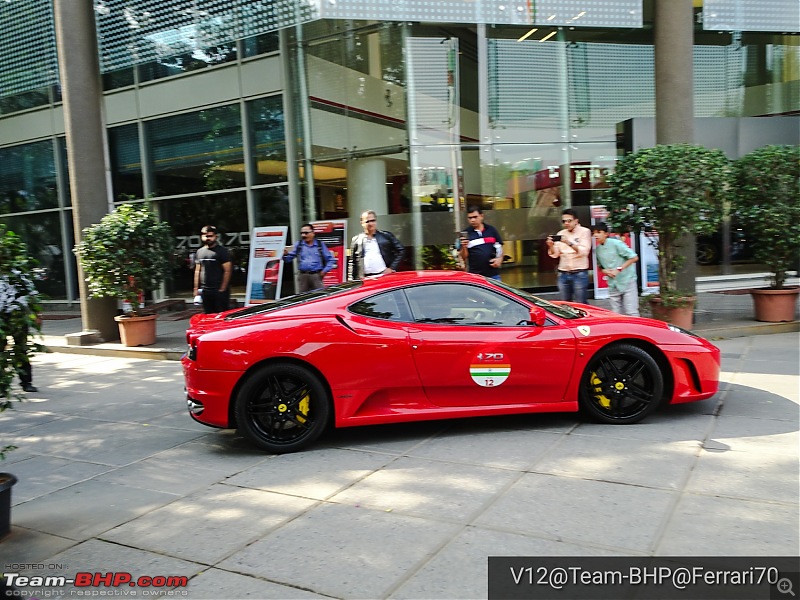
(458,304)
(390,306)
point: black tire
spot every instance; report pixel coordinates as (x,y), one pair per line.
(621,384)
(282,408)
(707,253)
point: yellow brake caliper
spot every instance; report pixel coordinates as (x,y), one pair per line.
(302,408)
(598,391)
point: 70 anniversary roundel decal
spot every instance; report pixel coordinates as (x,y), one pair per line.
(489,369)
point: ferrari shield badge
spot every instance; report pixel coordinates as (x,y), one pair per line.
(489,369)
(584,329)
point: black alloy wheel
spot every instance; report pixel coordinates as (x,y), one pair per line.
(282,408)
(621,384)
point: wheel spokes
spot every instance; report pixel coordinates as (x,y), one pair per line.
(282,409)
(618,386)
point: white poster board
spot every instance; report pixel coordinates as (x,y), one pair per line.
(648,257)
(265,267)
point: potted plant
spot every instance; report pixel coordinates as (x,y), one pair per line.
(677,189)
(19,311)
(765,200)
(127,252)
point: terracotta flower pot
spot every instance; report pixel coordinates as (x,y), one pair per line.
(7,481)
(681,315)
(775,306)
(137,331)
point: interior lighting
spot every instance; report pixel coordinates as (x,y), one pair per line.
(527,35)
(548,36)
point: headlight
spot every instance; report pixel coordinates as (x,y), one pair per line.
(677,329)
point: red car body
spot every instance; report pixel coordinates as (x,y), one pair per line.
(431,345)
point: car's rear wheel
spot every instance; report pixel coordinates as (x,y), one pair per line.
(282,408)
(621,384)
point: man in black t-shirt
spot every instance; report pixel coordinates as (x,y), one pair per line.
(481,246)
(212,272)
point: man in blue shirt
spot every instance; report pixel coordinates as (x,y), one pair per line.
(313,259)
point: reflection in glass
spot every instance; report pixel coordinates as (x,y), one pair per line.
(269,145)
(41,233)
(197,151)
(27,177)
(126,161)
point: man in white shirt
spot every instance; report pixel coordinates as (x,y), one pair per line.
(572,250)
(373,252)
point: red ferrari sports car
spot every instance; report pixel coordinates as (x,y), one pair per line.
(430,345)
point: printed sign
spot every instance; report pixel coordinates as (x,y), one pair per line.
(489,369)
(334,234)
(265,268)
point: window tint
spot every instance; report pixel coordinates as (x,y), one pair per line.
(464,305)
(391,306)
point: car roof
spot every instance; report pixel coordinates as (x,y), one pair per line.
(410,277)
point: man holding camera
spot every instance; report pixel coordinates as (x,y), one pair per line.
(571,247)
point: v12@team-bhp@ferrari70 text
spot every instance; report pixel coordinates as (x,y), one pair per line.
(428,345)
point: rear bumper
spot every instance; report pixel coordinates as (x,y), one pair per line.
(208,393)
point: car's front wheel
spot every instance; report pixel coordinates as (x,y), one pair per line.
(282,408)
(621,384)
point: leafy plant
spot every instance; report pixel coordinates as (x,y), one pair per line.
(127,252)
(676,189)
(765,200)
(19,310)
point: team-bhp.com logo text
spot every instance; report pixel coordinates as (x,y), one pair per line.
(113,579)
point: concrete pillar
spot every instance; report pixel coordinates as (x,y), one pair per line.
(81,89)
(674,68)
(366,189)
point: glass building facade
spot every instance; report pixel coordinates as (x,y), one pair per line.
(247,114)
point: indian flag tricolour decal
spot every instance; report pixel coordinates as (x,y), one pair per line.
(489,375)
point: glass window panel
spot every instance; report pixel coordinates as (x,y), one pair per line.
(197,151)
(391,306)
(24,101)
(126,161)
(27,177)
(272,206)
(41,233)
(751,15)
(118,78)
(260,44)
(269,145)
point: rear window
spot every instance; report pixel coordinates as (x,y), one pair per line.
(293,300)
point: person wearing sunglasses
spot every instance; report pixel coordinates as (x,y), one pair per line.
(314,259)
(571,247)
(373,252)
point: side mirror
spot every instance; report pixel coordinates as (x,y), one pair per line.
(537,316)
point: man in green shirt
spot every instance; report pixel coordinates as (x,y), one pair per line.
(616,261)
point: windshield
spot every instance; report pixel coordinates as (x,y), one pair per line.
(565,312)
(292,300)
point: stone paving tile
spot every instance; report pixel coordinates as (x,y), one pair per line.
(580,511)
(762,435)
(40,475)
(214,584)
(210,524)
(460,569)
(747,402)
(679,423)
(710,525)
(87,509)
(634,462)
(747,475)
(25,546)
(427,488)
(313,474)
(343,551)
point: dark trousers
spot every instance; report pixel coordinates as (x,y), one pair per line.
(24,370)
(308,281)
(215,301)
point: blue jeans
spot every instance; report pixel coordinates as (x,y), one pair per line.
(572,286)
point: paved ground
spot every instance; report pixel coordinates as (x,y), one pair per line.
(115,477)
